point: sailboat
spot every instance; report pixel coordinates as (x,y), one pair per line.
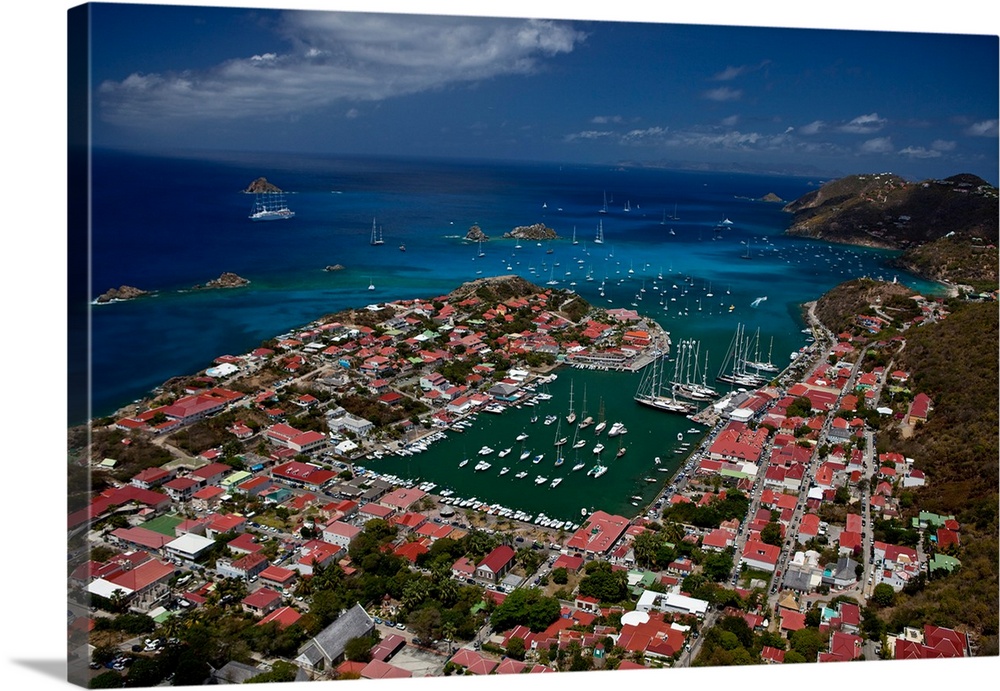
(599,240)
(559,441)
(601,422)
(587,421)
(627,206)
(571,418)
(574,235)
(733,370)
(376,235)
(604,209)
(270,206)
(481,253)
(371,285)
(650,392)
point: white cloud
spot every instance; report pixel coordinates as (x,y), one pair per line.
(336,57)
(588,134)
(814,127)
(864,124)
(879,145)
(732,72)
(605,119)
(645,134)
(985,128)
(943,145)
(919,152)
(730,121)
(723,93)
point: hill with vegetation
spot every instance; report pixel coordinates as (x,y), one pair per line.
(947,229)
(838,307)
(954,361)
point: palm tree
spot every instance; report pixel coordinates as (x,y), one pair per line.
(448,633)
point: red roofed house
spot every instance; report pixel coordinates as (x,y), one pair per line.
(920,408)
(473,661)
(244,568)
(278,577)
(284,616)
(844,647)
(402,499)
(772,656)
(152,477)
(496,564)
(760,555)
(261,601)
(792,621)
(599,533)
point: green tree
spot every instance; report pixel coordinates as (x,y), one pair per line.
(359,649)
(883,595)
(604,583)
(106,680)
(560,576)
(515,648)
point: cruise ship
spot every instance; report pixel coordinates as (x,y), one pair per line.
(270,206)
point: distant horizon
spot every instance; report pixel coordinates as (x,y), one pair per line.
(804,171)
(827,102)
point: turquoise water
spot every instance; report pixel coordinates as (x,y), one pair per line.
(695,281)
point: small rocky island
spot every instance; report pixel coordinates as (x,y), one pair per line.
(226,280)
(122,293)
(334,267)
(771,197)
(262,186)
(538,231)
(476,234)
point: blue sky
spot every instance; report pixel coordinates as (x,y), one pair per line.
(796,100)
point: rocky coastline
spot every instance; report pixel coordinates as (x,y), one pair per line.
(226,280)
(121,293)
(537,231)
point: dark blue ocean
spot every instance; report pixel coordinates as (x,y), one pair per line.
(168,223)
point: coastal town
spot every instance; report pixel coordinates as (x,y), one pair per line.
(235,533)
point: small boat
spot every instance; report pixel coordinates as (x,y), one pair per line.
(621,452)
(463,463)
(656,460)
(402,247)
(504,452)
(616,429)
(680,436)
(521,474)
(599,448)
(541,480)
(485,451)
(637,497)
(521,437)
(579,466)
(504,470)
(524,455)
(599,470)
(555,483)
(538,458)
